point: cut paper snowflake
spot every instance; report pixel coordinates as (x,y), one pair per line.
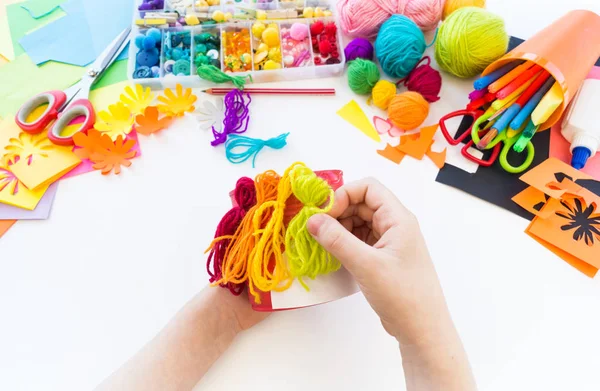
(149,122)
(210,115)
(137,100)
(175,105)
(113,155)
(118,121)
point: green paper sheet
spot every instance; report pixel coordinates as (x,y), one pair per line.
(21,79)
(21,23)
(6,46)
(115,74)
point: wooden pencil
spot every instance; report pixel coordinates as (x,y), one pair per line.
(275,91)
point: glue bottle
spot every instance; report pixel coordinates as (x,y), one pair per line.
(581,125)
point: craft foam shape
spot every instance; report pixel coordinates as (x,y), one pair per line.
(40,8)
(564,49)
(14,193)
(79,37)
(384,126)
(353,114)
(438,158)
(419,147)
(392,154)
(105,154)
(149,122)
(5,225)
(37,162)
(41,211)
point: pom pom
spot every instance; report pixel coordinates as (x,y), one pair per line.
(470,40)
(399,46)
(453,5)
(330,30)
(148,43)
(317,28)
(299,31)
(425,80)
(324,48)
(139,41)
(383,93)
(362,76)
(408,110)
(359,48)
(154,33)
(363,18)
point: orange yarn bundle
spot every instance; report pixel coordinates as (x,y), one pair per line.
(235,263)
(408,110)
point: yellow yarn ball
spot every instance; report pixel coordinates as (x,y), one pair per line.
(470,40)
(408,110)
(383,93)
(453,5)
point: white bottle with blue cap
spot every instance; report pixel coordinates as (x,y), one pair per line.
(581,126)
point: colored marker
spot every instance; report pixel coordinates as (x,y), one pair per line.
(499,126)
(519,81)
(513,96)
(547,105)
(524,114)
(510,76)
(477,94)
(485,81)
(524,98)
(526,137)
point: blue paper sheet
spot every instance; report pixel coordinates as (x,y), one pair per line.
(40,8)
(79,37)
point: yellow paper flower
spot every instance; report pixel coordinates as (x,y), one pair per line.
(27,146)
(137,100)
(176,105)
(118,121)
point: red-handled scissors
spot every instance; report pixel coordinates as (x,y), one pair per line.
(65,106)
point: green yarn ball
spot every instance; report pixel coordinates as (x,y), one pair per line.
(469,40)
(362,76)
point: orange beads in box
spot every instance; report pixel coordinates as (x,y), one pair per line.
(237,50)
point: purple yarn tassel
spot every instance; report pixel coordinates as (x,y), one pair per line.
(237,116)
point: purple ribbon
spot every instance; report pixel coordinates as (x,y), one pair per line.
(237,116)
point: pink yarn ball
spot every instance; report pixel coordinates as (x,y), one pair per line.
(362,18)
(299,31)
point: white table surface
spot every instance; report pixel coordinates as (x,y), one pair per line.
(83,291)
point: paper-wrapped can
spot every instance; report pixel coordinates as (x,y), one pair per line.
(568,49)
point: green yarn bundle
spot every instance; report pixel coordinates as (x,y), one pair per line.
(469,40)
(362,76)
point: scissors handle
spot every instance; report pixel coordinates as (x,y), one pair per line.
(484,163)
(54,101)
(79,108)
(460,113)
(504,163)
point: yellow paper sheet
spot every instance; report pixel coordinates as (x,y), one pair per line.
(13,192)
(353,114)
(37,161)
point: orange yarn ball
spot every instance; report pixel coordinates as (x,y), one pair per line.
(408,110)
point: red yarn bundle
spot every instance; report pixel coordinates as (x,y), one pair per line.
(425,80)
(245,198)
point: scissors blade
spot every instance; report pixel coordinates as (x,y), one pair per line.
(109,55)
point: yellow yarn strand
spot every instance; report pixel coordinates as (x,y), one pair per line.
(306,257)
(269,243)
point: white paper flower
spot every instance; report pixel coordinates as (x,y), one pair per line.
(209,115)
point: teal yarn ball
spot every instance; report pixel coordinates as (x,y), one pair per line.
(362,76)
(469,40)
(399,46)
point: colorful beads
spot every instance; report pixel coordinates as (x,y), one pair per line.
(325,43)
(177,53)
(267,44)
(236,44)
(295,45)
(147,58)
(207,47)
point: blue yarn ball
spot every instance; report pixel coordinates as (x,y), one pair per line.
(399,46)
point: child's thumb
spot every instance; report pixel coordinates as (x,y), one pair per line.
(339,242)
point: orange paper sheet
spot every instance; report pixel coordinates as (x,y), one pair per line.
(5,225)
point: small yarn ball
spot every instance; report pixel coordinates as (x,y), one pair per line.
(399,46)
(408,110)
(359,48)
(363,18)
(453,5)
(362,76)
(425,80)
(470,40)
(383,93)
(299,31)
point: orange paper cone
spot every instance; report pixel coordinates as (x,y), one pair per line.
(568,49)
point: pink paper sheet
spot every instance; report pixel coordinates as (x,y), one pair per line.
(86,165)
(560,147)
